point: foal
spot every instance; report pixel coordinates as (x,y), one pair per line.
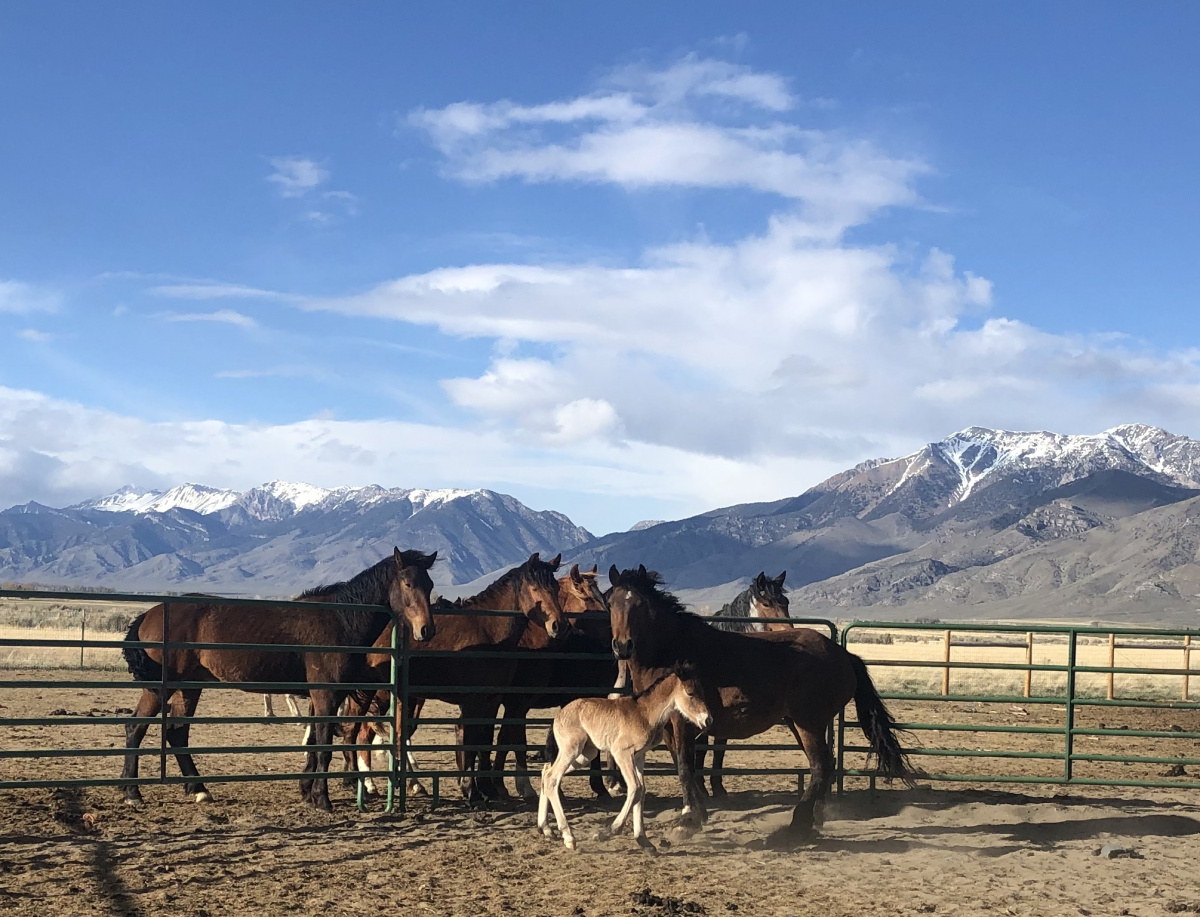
(627,727)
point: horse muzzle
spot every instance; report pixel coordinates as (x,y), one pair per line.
(426,633)
(622,649)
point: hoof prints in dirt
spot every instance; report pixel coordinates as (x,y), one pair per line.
(668,905)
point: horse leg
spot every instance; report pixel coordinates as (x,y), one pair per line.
(514,734)
(624,759)
(718,786)
(639,792)
(268,709)
(698,765)
(467,759)
(149,704)
(596,779)
(291,704)
(324,703)
(552,775)
(491,783)
(178,737)
(820,762)
(681,740)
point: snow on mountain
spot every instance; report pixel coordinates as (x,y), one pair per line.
(272,501)
(980,456)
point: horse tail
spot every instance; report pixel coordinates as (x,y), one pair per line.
(550,752)
(879,727)
(141,666)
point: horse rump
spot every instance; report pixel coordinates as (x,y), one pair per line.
(141,666)
(879,727)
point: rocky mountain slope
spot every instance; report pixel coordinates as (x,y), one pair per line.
(947,527)
(271,540)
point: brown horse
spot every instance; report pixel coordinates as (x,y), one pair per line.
(530,589)
(750,685)
(760,608)
(564,679)
(400,582)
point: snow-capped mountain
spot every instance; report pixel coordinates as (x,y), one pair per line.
(269,502)
(953,506)
(275,539)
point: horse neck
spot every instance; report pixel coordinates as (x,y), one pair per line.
(499,629)
(658,703)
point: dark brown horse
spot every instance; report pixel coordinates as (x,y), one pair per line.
(475,685)
(400,582)
(564,679)
(760,608)
(750,683)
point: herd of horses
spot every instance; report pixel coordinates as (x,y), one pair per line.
(750,675)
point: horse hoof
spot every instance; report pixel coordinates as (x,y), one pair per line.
(720,793)
(135,802)
(681,832)
(417,789)
(647,846)
(569,842)
(203,796)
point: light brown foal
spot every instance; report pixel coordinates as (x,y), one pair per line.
(627,727)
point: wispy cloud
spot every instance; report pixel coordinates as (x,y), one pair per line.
(278,372)
(204,290)
(224,316)
(23,298)
(32,334)
(698,123)
(295,176)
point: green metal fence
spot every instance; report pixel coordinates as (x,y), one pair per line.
(1032,718)
(1035,722)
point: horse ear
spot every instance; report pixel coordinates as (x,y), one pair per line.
(642,569)
(595,571)
(614,575)
(575,575)
(430,560)
(534,557)
(555,561)
(399,558)
(779,578)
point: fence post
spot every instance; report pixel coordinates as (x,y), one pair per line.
(166,700)
(82,636)
(1187,664)
(946,670)
(1029,662)
(1068,766)
(1112,661)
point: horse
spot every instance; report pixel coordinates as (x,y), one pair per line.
(401,582)
(529,588)
(626,727)
(762,607)
(564,679)
(750,684)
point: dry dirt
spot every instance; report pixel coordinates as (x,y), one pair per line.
(940,849)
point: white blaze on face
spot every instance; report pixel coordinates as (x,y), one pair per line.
(756,615)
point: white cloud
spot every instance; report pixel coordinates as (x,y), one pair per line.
(295,176)
(204,289)
(697,123)
(223,316)
(32,334)
(23,298)
(60,452)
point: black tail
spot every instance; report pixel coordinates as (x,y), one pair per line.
(550,752)
(141,666)
(879,727)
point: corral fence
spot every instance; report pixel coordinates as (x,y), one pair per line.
(1020,704)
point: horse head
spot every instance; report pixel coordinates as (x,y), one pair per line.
(409,591)
(770,602)
(632,602)
(538,591)
(578,593)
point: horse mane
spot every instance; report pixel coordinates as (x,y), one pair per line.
(738,608)
(539,569)
(649,583)
(365,588)
(370,587)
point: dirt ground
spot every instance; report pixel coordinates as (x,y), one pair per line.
(943,848)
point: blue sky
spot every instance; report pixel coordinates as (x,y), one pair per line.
(630,261)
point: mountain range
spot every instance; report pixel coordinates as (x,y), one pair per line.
(982,524)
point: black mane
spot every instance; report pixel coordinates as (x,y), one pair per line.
(539,569)
(649,583)
(370,587)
